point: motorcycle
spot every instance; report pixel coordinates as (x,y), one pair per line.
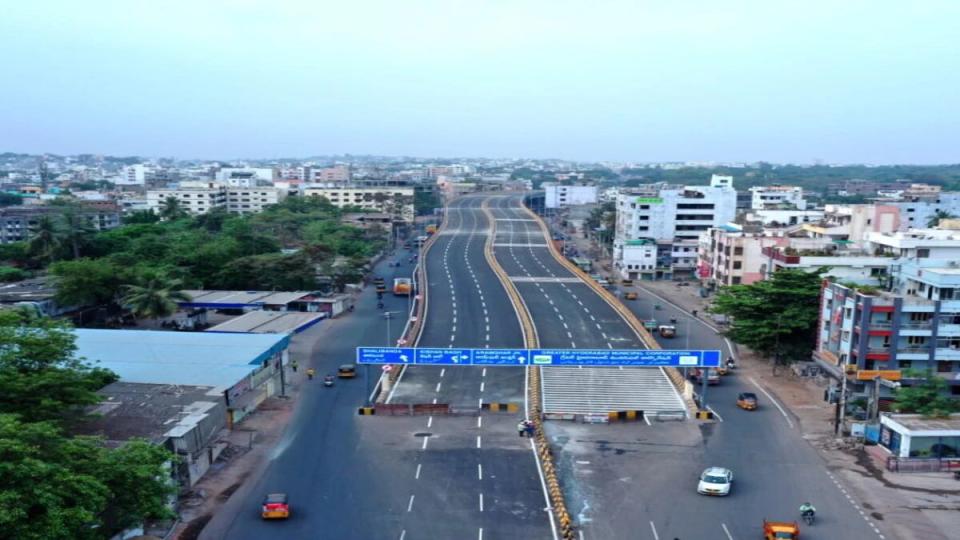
(808,517)
(328,380)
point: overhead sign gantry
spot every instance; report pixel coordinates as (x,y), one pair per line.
(539,357)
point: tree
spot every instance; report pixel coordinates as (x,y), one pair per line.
(935,219)
(11,273)
(776,317)
(40,378)
(87,282)
(140,216)
(926,396)
(45,240)
(10,199)
(154,299)
(172,209)
(76,228)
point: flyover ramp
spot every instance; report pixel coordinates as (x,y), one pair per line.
(591,391)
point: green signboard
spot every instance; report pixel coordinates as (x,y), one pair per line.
(649,200)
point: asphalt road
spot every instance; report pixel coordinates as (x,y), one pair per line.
(341,478)
(639,481)
(472,476)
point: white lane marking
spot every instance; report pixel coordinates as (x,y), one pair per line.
(403,534)
(783,412)
(479,471)
(480,537)
(565,326)
(438,387)
(410,504)
(417,476)
(434,401)
(481,502)
(429,421)
(647,420)
(442,371)
(610,346)
(654,529)
(454,329)
(573,344)
(482,385)
(569,335)
(592,318)
(478,441)
(598,326)
(479,422)
(480,403)
(484,372)
(486,337)
(725,530)
(488,328)
(425,440)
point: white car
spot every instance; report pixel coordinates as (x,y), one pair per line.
(715,481)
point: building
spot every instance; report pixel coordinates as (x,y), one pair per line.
(916,436)
(132,175)
(185,419)
(254,199)
(843,262)
(733,255)
(920,210)
(338,173)
(865,188)
(18,222)
(240,370)
(560,196)
(450,170)
(673,217)
(779,217)
(397,201)
(768,197)
(246,176)
(200,198)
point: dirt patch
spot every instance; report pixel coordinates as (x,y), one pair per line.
(193,529)
(225,494)
(870,470)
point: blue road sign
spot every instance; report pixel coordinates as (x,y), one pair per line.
(541,357)
(384,355)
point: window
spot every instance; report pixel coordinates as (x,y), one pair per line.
(944,367)
(923,253)
(738,251)
(736,280)
(905,364)
(737,265)
(916,340)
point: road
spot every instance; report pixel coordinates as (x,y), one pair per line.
(473,476)
(639,481)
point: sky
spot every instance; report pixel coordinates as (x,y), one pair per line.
(782,81)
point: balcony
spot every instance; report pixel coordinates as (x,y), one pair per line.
(779,255)
(913,350)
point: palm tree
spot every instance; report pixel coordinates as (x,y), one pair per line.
(155,299)
(45,240)
(76,228)
(935,219)
(172,209)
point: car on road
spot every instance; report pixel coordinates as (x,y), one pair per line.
(631,295)
(780,530)
(747,401)
(347,371)
(712,376)
(715,481)
(275,506)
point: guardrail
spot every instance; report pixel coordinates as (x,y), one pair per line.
(531,340)
(676,378)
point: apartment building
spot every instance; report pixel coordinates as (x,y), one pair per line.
(559,196)
(199,198)
(246,176)
(673,217)
(339,173)
(450,170)
(387,199)
(733,254)
(767,197)
(917,210)
(17,222)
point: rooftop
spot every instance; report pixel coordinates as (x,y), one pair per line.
(227,299)
(916,422)
(28,290)
(181,358)
(149,411)
(270,322)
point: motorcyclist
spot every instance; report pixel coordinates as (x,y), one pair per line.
(807,509)
(310,373)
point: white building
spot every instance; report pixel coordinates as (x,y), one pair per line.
(246,176)
(132,175)
(673,217)
(764,197)
(559,196)
(194,200)
(387,199)
(916,212)
(253,200)
(784,218)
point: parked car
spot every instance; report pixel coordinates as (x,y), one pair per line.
(715,481)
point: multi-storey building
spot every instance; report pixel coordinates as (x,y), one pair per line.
(559,196)
(246,176)
(397,201)
(199,199)
(450,170)
(732,255)
(673,217)
(920,209)
(253,200)
(339,173)
(765,197)
(17,222)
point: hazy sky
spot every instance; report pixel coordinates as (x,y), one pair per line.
(847,81)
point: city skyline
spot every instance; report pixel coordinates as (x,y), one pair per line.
(745,82)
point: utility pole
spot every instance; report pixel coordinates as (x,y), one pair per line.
(841,401)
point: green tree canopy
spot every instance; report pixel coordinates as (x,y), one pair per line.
(927,395)
(775,317)
(154,298)
(88,282)
(40,379)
